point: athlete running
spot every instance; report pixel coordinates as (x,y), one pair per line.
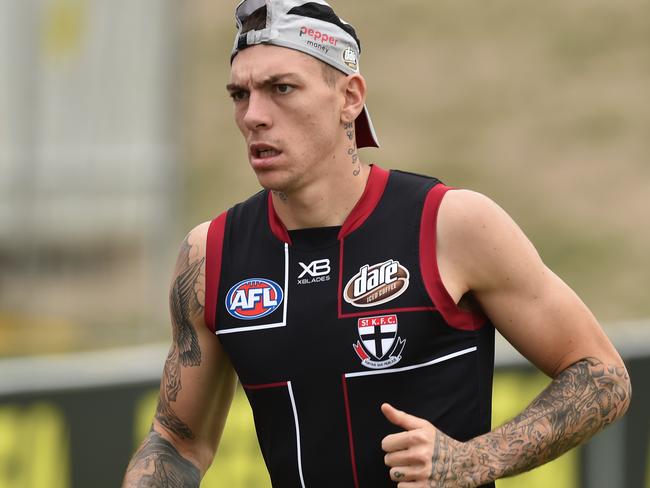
(357,305)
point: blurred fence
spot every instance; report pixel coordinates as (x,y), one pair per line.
(88,163)
(85,115)
(74,421)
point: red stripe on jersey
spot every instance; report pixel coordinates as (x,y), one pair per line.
(350,436)
(277,227)
(369,199)
(213,253)
(386,310)
(454,316)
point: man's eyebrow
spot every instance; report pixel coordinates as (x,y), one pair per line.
(234,87)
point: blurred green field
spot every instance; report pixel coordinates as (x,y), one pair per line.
(543,106)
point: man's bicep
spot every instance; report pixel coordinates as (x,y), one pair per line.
(194,400)
(547,323)
(198,380)
(529,305)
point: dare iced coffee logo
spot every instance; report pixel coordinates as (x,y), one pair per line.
(376,284)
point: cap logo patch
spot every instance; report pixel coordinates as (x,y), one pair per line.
(318,36)
(350,58)
(376,284)
(253,298)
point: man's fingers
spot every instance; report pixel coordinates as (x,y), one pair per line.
(396,442)
(409,484)
(402,419)
(402,457)
(402,474)
(408,476)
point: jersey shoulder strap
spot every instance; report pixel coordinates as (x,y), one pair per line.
(213,255)
(453,315)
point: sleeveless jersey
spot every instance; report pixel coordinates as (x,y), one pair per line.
(321,334)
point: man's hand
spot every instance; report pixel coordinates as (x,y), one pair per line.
(422,456)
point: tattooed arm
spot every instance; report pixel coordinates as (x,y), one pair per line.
(484,256)
(582,400)
(196,389)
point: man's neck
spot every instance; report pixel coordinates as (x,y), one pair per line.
(326,202)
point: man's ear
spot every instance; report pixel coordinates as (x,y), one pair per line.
(354,97)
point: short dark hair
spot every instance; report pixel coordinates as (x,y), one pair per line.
(257,21)
(330,74)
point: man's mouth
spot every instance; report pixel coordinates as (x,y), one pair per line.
(268,153)
(263,151)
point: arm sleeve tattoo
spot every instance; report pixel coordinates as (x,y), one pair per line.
(579,402)
(157,464)
(185,350)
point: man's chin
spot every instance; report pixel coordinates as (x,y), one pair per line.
(272,181)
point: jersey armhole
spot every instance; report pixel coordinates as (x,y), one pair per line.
(213,254)
(444,303)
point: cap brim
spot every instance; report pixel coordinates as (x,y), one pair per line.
(365,131)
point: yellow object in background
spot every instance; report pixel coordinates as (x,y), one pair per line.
(63,27)
(34,447)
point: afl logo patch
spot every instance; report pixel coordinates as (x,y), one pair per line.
(253,298)
(376,284)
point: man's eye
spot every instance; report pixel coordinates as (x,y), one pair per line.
(238,96)
(284,89)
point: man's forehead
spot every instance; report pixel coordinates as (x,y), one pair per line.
(257,63)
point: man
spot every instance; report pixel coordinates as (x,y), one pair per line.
(356,305)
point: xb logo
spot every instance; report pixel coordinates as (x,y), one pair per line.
(314,272)
(315,268)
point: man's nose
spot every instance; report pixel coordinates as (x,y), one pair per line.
(258,115)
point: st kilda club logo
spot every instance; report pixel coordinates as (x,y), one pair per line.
(253,298)
(376,284)
(379,345)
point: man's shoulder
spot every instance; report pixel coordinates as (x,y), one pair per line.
(467,214)
(478,237)
(196,238)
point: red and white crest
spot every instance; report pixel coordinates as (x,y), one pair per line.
(378,334)
(378,345)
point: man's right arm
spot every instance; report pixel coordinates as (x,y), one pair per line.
(196,389)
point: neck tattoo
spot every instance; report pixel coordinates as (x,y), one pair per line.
(352,150)
(281,195)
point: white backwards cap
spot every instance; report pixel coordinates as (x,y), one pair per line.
(312,28)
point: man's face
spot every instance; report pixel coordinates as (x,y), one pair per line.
(289,115)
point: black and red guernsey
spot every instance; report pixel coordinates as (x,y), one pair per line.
(324,325)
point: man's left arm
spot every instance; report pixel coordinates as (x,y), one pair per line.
(481,251)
